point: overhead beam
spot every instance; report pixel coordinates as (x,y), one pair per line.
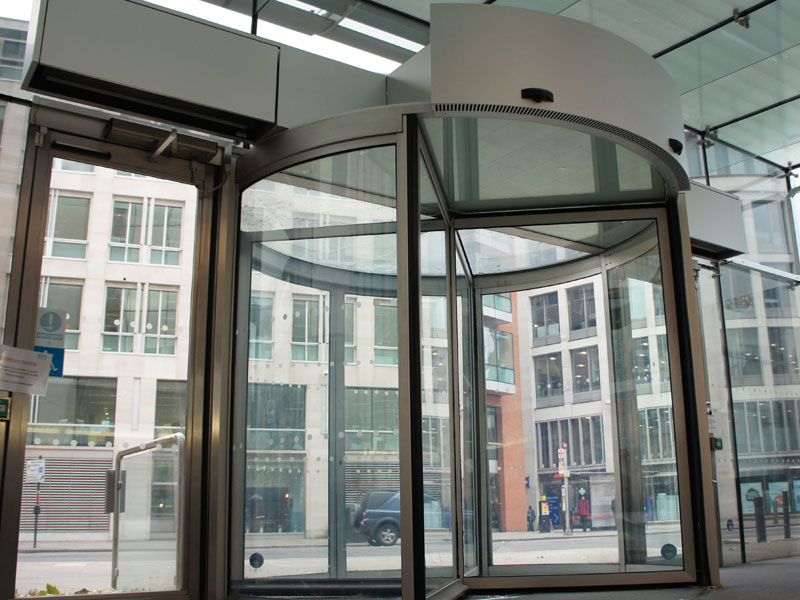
(755,112)
(733,18)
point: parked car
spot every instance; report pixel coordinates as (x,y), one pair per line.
(378,517)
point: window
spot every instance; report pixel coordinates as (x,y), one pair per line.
(498,349)
(260,338)
(66,297)
(434,309)
(737,292)
(655,434)
(549,382)
(783,355)
(498,302)
(165,237)
(435,358)
(582,435)
(546,329)
(170,407)
(350,332)
(63,164)
(744,358)
(120,320)
(371,420)
(642,373)
(385,333)
(777,292)
(153,333)
(76,409)
(126,231)
(276,416)
(586,374)
(582,315)
(663,362)
(431,441)
(493,432)
(305,330)
(12,53)
(770,228)
(160,320)
(67,224)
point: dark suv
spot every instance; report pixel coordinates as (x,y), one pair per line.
(378,517)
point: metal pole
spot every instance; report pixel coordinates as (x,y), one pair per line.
(36,510)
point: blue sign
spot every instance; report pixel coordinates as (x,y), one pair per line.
(57,359)
(555,508)
(730,524)
(50,322)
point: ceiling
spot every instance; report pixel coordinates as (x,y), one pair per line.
(736,62)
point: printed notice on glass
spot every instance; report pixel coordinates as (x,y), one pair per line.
(24,371)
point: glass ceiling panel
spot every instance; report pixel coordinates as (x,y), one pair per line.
(773,29)
(726,160)
(653,25)
(766,132)
(744,91)
(786,155)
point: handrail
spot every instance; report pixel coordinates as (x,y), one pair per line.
(169,440)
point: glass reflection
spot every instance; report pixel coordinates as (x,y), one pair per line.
(316,463)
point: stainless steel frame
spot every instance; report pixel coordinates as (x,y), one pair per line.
(77,133)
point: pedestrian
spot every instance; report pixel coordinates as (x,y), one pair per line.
(531,518)
(584,512)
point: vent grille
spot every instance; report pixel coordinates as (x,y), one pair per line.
(72,496)
(528,111)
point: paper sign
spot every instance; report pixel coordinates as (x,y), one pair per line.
(23,371)
(34,470)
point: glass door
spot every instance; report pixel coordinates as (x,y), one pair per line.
(316,466)
(578,455)
(104,507)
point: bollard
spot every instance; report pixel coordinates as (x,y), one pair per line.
(758,513)
(787,525)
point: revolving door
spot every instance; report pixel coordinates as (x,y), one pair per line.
(468,321)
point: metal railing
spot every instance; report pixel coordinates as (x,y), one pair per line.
(170,440)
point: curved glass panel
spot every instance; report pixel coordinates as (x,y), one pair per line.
(579,455)
(488,164)
(316,484)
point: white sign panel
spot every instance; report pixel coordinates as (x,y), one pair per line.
(23,371)
(34,470)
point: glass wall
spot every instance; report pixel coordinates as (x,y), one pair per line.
(122,401)
(752,362)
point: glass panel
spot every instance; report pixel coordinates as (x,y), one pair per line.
(534,440)
(649,480)
(502,161)
(112,399)
(437,442)
(316,487)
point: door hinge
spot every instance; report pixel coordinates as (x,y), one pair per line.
(39,137)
